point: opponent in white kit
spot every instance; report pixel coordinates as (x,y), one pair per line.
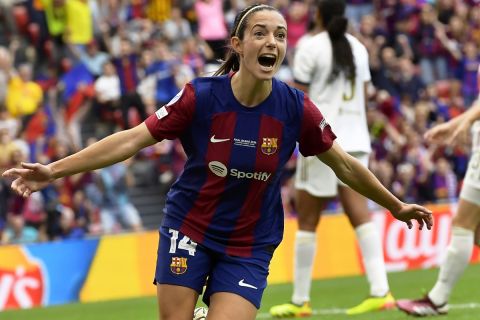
(332,67)
(465,222)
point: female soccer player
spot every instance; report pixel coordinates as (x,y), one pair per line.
(466,221)
(332,67)
(223,216)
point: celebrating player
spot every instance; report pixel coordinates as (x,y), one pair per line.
(223,216)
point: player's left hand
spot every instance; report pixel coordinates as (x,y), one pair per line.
(30,177)
(410,212)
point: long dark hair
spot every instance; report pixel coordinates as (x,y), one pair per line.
(332,14)
(232,60)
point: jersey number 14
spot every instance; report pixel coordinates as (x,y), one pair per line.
(185,244)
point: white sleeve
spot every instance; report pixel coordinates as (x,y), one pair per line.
(363,67)
(304,63)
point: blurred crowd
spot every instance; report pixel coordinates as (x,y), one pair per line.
(73,71)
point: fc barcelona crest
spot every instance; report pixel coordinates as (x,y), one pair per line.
(178,265)
(269,145)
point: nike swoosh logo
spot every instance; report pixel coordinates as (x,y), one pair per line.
(214,140)
(242,283)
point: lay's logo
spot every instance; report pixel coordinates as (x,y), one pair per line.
(21,281)
(406,249)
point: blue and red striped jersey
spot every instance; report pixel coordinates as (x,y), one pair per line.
(228,196)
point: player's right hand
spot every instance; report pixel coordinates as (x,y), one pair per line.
(448,133)
(439,133)
(29,178)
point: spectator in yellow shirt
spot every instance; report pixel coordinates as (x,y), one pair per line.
(23,95)
(79,29)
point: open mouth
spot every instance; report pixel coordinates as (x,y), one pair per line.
(267,61)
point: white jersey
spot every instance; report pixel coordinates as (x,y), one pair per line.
(342,101)
(471,184)
(476,125)
(472,177)
(476,136)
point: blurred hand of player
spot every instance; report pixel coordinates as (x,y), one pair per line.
(410,212)
(448,133)
(29,178)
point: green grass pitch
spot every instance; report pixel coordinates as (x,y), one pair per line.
(329,299)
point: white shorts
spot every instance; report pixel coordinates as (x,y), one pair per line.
(471,184)
(317,178)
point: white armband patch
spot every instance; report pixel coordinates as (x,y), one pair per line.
(161,113)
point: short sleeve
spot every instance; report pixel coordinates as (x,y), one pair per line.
(171,120)
(304,63)
(316,135)
(364,68)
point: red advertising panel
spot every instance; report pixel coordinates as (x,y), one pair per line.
(413,248)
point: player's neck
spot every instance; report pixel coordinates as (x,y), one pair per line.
(318,28)
(250,92)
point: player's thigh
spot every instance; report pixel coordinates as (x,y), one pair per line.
(309,209)
(181,272)
(354,204)
(469,204)
(468,211)
(226,305)
(175,302)
(244,279)
(315,183)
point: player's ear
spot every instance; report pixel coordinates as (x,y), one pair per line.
(236,44)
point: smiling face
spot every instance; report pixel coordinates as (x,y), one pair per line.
(263,44)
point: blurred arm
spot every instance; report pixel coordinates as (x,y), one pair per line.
(471,115)
(112,149)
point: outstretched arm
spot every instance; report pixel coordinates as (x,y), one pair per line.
(355,175)
(112,149)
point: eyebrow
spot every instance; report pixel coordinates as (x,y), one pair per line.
(265,26)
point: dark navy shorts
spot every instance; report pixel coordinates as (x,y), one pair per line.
(182,262)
